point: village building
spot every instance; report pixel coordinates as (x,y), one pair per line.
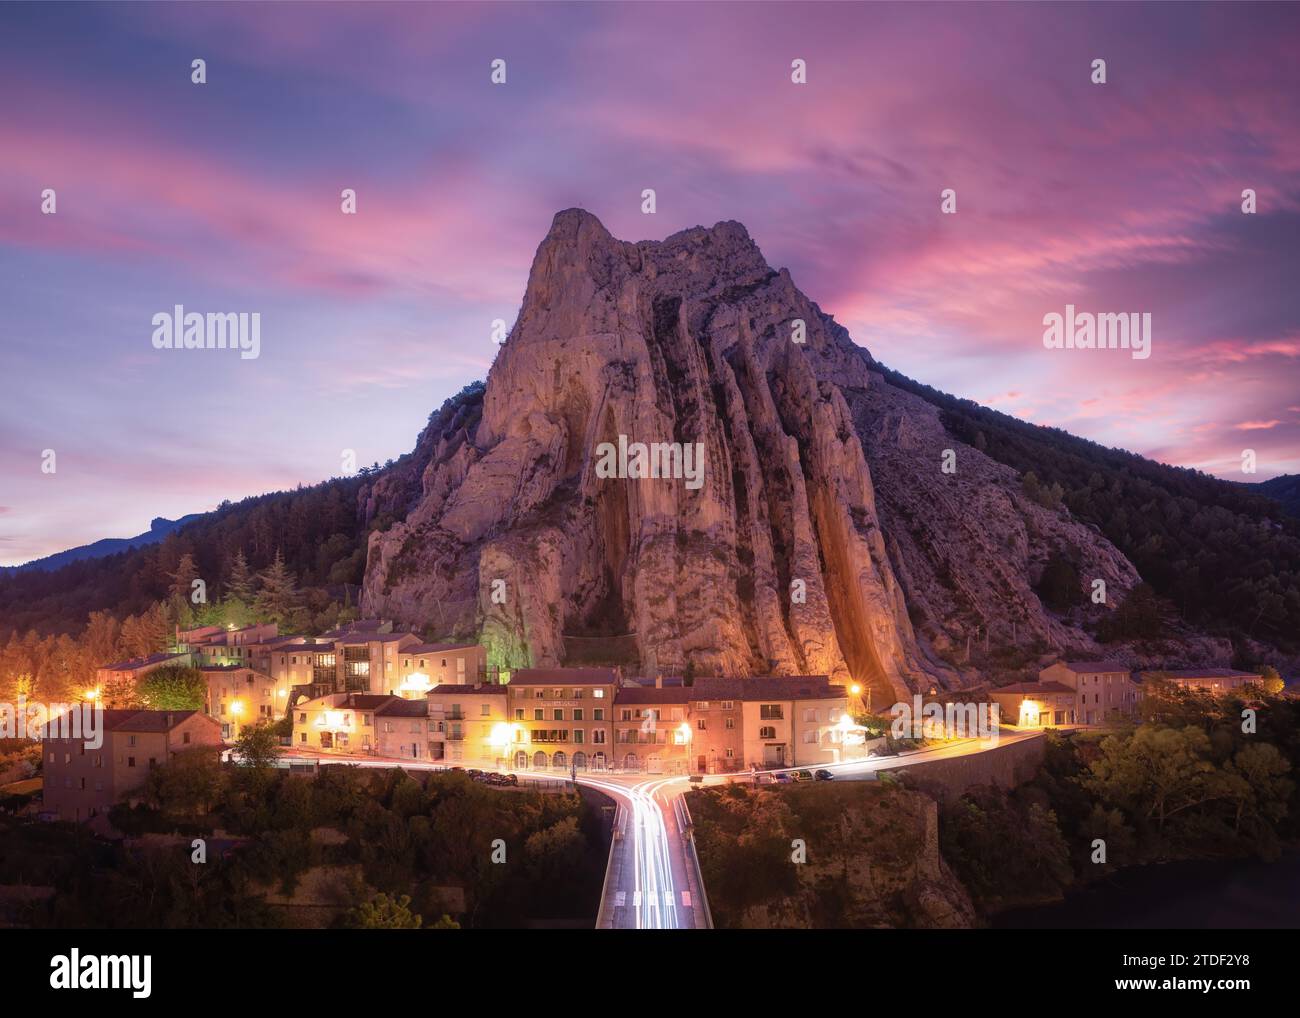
(565,715)
(81,783)
(238,696)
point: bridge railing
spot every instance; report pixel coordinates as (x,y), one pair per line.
(605,914)
(687,826)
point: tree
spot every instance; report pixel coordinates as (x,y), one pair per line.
(1140,616)
(278,599)
(239,580)
(1270,681)
(1058,588)
(173,687)
(190,783)
(258,746)
(383,913)
(183,578)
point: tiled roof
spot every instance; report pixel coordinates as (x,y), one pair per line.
(451,689)
(765,687)
(359,637)
(563,677)
(146,720)
(437,648)
(1198,673)
(1034,687)
(141,662)
(397,707)
(365,701)
(1092,667)
(642,694)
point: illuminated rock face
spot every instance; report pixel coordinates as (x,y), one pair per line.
(778,560)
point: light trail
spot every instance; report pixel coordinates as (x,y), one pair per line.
(654,888)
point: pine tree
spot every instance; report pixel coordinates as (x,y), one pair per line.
(239,579)
(278,599)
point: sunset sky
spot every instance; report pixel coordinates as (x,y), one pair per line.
(225,197)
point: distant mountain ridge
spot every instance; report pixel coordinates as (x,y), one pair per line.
(1286,489)
(159,528)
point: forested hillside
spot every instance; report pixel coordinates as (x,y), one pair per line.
(1224,555)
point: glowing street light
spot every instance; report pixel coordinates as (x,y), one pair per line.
(92,695)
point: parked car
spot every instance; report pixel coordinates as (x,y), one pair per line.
(782,778)
(801,775)
(823,775)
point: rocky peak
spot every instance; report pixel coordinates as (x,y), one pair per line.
(787,558)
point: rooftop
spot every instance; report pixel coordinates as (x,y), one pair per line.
(147,720)
(142,662)
(1091,667)
(1034,687)
(1198,673)
(563,677)
(649,694)
(766,687)
(452,689)
(437,648)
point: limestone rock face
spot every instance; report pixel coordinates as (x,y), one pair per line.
(822,516)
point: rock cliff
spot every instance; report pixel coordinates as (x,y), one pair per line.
(825,536)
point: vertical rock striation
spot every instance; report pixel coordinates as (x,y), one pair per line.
(688,340)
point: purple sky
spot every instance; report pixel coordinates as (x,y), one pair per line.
(225,197)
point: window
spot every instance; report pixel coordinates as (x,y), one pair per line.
(130,761)
(728,704)
(367,720)
(484,710)
(130,740)
(577,713)
(185,738)
(302,717)
(702,705)
(388,726)
(810,738)
(559,715)
(599,694)
(770,712)
(538,714)
(519,713)
(767,732)
(731,724)
(810,714)
(730,752)
(302,737)
(577,735)
(699,724)
(598,735)
(598,714)
(627,715)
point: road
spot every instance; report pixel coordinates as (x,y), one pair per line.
(652,881)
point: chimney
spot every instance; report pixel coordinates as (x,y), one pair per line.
(659,680)
(169,719)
